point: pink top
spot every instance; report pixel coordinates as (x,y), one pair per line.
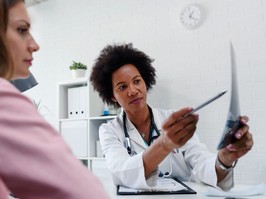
(35,162)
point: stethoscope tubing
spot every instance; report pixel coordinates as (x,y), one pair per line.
(127,138)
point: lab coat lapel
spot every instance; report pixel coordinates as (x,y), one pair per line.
(134,135)
(157,119)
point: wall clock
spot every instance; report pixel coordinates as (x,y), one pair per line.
(191,16)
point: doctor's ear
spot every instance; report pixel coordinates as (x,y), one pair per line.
(113,99)
(116,104)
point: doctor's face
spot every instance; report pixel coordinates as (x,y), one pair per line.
(129,88)
(20,41)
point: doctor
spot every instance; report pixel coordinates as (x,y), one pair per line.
(144,143)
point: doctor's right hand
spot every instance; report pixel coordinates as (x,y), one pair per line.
(178,129)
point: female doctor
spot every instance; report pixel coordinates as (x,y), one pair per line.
(144,143)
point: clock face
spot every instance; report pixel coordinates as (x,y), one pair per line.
(190,16)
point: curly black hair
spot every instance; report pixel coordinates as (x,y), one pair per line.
(111,58)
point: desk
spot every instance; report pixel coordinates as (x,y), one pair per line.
(199,188)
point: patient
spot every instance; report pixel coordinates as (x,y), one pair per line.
(35,162)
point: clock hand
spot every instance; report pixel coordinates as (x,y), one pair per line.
(190,16)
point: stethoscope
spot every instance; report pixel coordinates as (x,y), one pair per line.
(128,146)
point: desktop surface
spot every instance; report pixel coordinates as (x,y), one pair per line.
(199,188)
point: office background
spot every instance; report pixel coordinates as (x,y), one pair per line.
(192,65)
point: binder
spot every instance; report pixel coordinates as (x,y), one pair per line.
(77,102)
(83,102)
(182,188)
(73,102)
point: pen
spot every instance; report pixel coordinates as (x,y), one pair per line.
(205,103)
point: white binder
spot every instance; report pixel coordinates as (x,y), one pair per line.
(83,102)
(73,102)
(77,102)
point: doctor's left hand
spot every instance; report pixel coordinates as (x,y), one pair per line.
(177,129)
(236,150)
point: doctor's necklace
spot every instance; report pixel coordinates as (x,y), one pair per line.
(149,131)
(143,133)
(152,137)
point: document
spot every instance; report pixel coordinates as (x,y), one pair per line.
(233,118)
(253,190)
(164,186)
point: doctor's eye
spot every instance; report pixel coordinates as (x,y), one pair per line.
(137,81)
(122,87)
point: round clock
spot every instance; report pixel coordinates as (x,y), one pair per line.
(191,16)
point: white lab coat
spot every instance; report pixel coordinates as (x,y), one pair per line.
(192,162)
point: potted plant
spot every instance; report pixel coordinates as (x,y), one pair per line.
(78,69)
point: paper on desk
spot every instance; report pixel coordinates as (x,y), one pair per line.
(250,191)
(163,184)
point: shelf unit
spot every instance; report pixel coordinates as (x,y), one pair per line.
(79,126)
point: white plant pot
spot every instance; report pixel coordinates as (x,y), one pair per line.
(78,73)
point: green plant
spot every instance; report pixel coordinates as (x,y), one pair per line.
(77,65)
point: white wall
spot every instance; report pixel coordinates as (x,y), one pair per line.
(192,65)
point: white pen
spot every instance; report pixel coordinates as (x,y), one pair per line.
(205,103)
